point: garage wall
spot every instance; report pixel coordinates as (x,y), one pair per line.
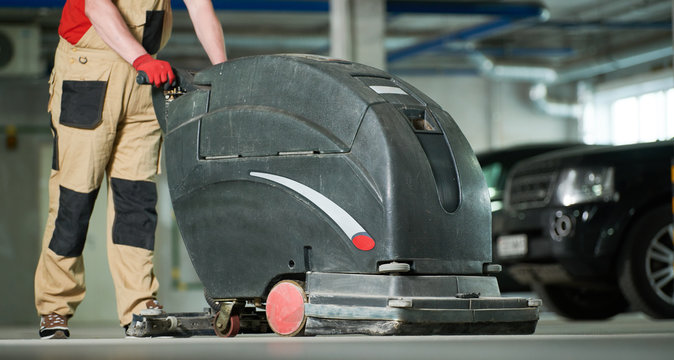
(494,114)
(22,102)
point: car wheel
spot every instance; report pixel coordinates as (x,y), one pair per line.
(646,264)
(581,303)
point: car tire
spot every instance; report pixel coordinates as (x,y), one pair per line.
(646,264)
(581,303)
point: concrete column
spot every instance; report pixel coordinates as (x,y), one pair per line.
(358,31)
(340,29)
(370,32)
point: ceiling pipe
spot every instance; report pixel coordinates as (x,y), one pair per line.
(542,76)
(538,94)
(487,68)
(610,64)
(581,71)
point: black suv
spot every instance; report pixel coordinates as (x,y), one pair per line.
(590,229)
(496,165)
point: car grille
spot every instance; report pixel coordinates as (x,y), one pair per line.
(531,187)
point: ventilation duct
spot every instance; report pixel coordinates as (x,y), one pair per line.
(539,96)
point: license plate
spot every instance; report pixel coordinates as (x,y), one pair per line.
(511,245)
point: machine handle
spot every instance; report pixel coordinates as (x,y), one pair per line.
(143,79)
(183,83)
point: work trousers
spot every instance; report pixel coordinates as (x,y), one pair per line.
(103,125)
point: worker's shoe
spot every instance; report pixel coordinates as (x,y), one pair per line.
(54,326)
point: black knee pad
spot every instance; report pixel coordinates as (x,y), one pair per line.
(72,222)
(135,213)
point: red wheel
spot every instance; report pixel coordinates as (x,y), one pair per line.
(285,308)
(232,328)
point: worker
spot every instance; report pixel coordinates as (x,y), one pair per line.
(104,124)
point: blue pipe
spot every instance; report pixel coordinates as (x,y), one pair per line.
(508,16)
(503,51)
(513,10)
(463,35)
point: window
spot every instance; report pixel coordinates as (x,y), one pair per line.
(638,112)
(625,121)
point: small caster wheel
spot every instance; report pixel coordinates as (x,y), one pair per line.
(230,330)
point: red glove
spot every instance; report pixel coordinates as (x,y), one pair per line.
(158,71)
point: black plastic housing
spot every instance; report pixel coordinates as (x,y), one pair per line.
(374,146)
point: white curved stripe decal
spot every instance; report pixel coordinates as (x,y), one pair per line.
(351,228)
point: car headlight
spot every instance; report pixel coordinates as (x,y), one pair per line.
(579,185)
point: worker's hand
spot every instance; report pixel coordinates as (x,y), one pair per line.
(158,71)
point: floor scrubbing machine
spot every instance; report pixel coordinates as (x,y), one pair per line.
(318,196)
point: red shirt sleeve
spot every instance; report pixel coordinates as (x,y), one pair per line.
(74,23)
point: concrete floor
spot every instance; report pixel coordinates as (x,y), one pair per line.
(629,336)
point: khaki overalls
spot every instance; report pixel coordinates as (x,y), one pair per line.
(103,124)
